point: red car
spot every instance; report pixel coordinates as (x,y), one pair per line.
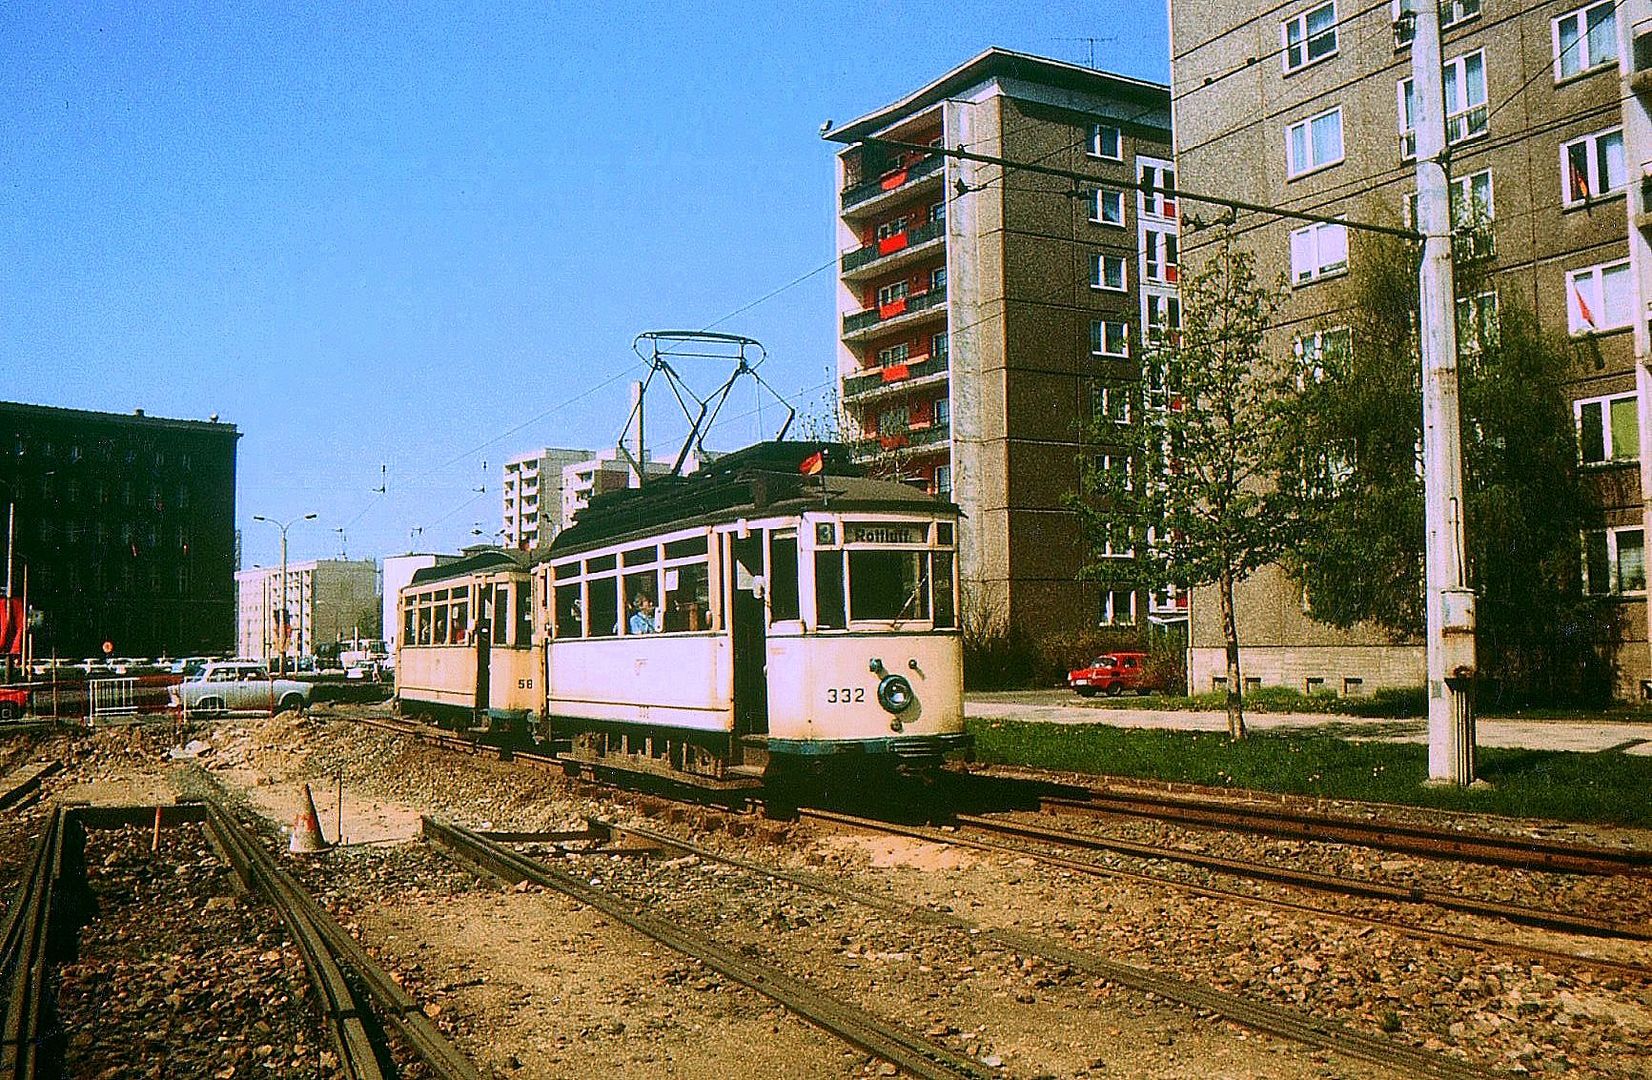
(13,702)
(1113,673)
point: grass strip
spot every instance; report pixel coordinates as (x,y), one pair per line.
(1602,788)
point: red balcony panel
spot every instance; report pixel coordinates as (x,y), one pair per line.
(895,373)
(891,244)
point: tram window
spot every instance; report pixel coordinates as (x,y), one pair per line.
(409,625)
(491,608)
(829,590)
(688,597)
(424,626)
(783,600)
(605,609)
(641,556)
(439,595)
(641,599)
(682,549)
(595,566)
(439,635)
(888,585)
(568,621)
(564,571)
(459,627)
(524,616)
(943,533)
(946,606)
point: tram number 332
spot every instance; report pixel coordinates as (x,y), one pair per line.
(845,695)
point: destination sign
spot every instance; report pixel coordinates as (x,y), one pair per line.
(886,532)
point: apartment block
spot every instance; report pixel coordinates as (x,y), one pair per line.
(1308,105)
(327,600)
(982,312)
(531,492)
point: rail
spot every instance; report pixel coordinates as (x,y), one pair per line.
(1520,852)
(1260,1016)
(328,951)
(908,1052)
(27,1049)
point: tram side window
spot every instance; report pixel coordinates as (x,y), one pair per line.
(605,609)
(888,585)
(642,614)
(439,632)
(568,621)
(829,590)
(523,612)
(410,617)
(946,604)
(783,599)
(688,597)
(424,624)
(459,626)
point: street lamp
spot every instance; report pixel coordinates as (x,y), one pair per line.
(286,615)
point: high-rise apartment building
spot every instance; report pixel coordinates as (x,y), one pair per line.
(327,600)
(1308,105)
(532,496)
(982,312)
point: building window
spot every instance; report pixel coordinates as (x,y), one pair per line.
(1593,167)
(1159,256)
(1476,322)
(892,228)
(1158,179)
(892,292)
(1318,251)
(1163,316)
(1599,298)
(1310,37)
(937,212)
(1608,429)
(1320,350)
(1107,272)
(1465,103)
(1107,207)
(1472,213)
(937,279)
(1111,404)
(938,346)
(1585,39)
(943,480)
(894,354)
(1118,607)
(1452,12)
(1313,143)
(1109,338)
(1119,467)
(942,411)
(1614,561)
(1106,142)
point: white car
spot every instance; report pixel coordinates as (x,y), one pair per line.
(223,685)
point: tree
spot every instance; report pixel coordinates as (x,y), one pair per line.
(1354,436)
(1180,488)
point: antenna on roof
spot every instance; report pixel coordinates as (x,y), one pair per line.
(658,348)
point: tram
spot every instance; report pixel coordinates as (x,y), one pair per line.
(747,620)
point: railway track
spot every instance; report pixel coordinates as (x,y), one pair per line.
(1445,937)
(1282,1022)
(22,784)
(1527,853)
(909,1052)
(28,1048)
(338,965)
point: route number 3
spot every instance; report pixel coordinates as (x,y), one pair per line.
(845,695)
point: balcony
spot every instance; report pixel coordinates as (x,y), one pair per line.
(1472,243)
(916,438)
(894,377)
(861,196)
(892,252)
(861,325)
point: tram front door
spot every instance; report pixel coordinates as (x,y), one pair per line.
(749,636)
(484,656)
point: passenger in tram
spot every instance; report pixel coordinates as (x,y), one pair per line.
(642,615)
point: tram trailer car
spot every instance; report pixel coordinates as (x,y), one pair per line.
(468,653)
(748,621)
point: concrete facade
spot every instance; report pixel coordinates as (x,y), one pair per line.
(971,307)
(327,600)
(1546,233)
(533,508)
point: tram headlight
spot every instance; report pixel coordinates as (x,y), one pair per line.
(895,694)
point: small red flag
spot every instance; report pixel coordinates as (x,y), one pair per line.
(812,464)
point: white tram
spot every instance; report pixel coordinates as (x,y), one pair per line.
(740,620)
(467,650)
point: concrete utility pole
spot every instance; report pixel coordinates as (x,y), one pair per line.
(1451,651)
(286,613)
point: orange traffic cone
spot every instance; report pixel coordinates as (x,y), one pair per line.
(307,838)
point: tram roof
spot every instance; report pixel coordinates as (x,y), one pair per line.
(761,479)
(481,561)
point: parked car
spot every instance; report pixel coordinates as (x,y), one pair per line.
(1115,672)
(223,685)
(187,666)
(14,702)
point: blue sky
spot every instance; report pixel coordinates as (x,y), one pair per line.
(393,234)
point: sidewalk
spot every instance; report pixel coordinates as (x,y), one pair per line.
(1065,707)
